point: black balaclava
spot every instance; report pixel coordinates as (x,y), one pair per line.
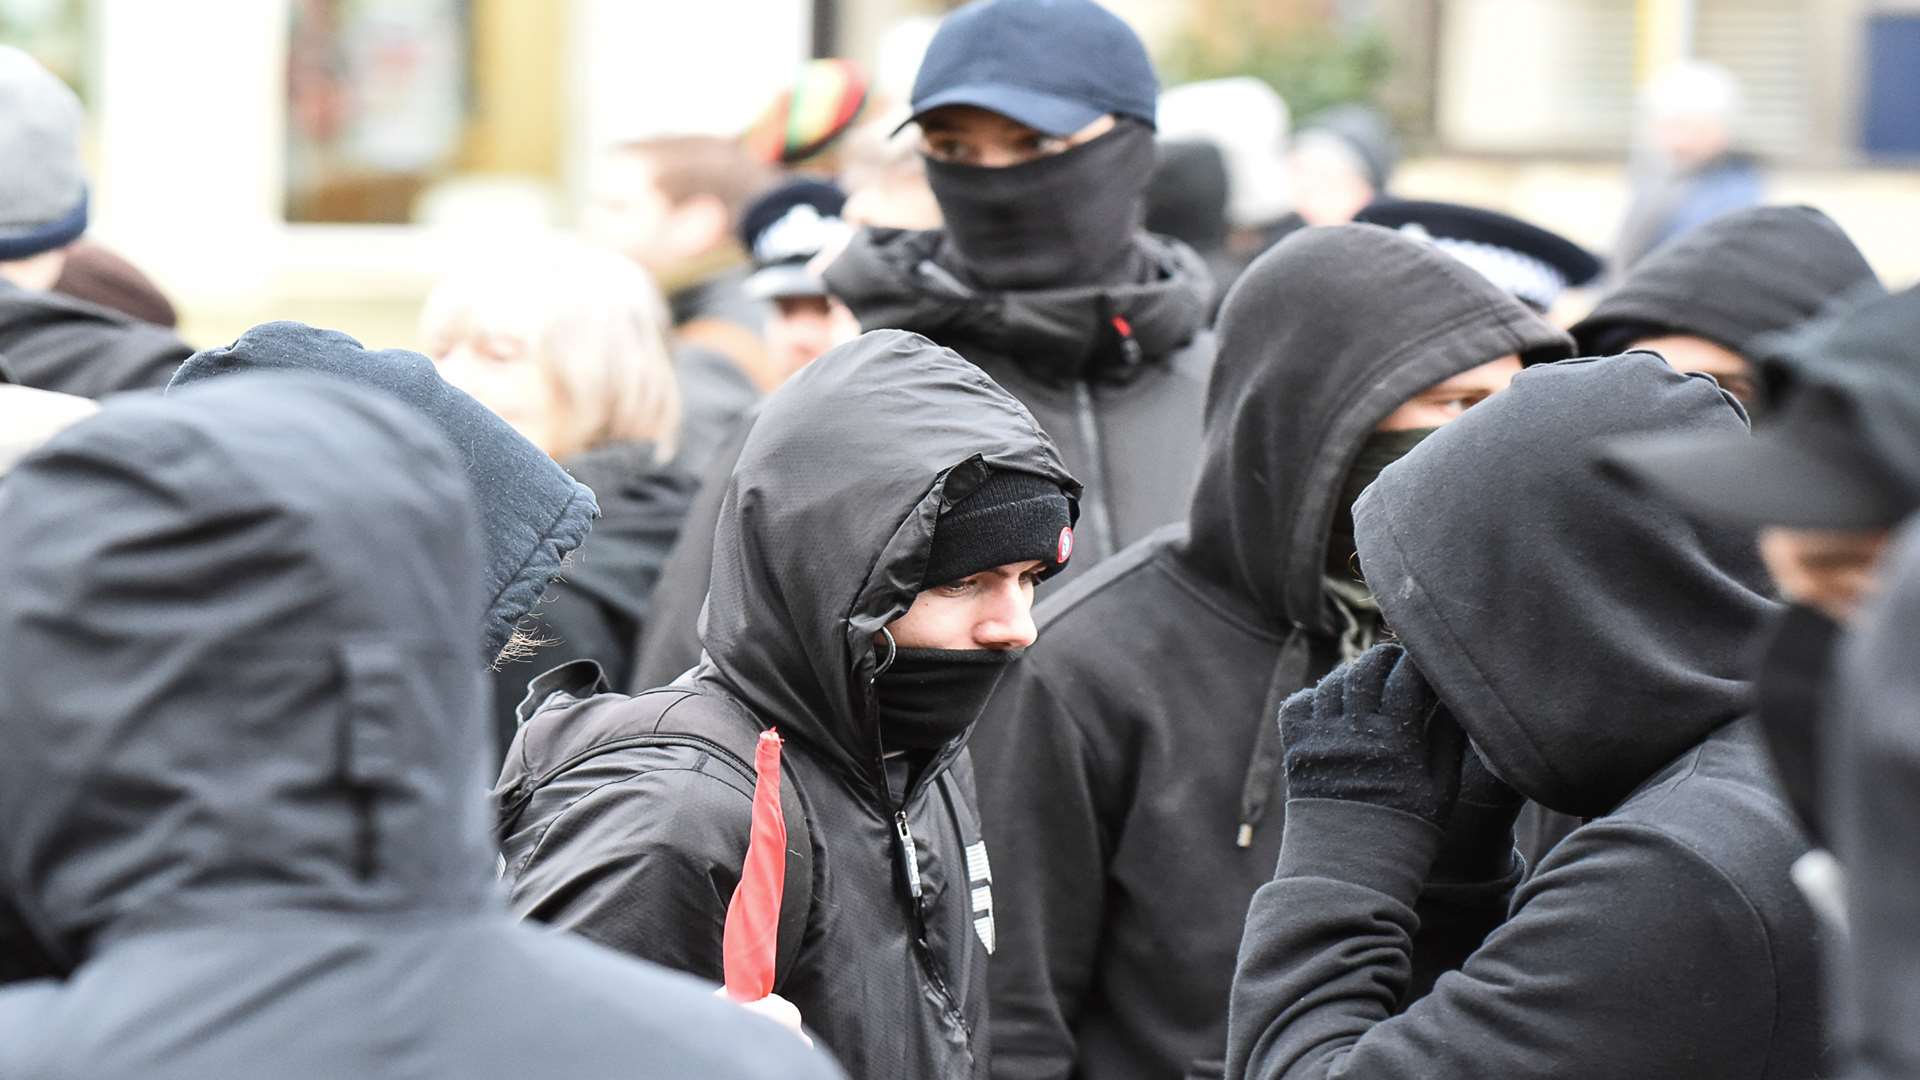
(1381,449)
(1055,222)
(929,697)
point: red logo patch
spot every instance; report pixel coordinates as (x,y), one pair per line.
(1064,548)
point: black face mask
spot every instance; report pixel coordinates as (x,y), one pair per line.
(929,697)
(1789,694)
(1055,222)
(1381,449)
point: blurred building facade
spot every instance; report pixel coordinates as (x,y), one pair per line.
(328,159)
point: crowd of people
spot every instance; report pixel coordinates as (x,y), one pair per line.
(1211,620)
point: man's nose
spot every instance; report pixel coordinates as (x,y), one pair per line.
(1011,624)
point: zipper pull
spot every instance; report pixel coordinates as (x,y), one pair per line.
(905,836)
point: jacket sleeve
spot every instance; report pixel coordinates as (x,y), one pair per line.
(1043,799)
(1626,955)
(644,863)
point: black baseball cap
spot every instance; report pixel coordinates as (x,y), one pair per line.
(1053,65)
(1841,445)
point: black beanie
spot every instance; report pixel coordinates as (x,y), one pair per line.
(1011,517)
(1735,281)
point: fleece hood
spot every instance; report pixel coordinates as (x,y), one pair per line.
(532,513)
(912,280)
(1584,636)
(237,644)
(827,525)
(1734,281)
(1325,334)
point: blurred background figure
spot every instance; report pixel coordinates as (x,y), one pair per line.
(786,230)
(672,204)
(1245,121)
(567,343)
(95,274)
(1687,171)
(1341,160)
(54,340)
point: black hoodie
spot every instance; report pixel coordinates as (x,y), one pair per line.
(1114,373)
(242,794)
(1733,281)
(1873,799)
(824,534)
(1593,644)
(57,342)
(1120,758)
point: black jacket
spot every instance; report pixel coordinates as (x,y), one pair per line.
(1114,759)
(1123,407)
(1872,797)
(670,644)
(1594,646)
(57,342)
(242,791)
(599,606)
(826,527)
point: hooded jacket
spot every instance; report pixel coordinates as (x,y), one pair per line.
(1734,281)
(57,342)
(1120,759)
(824,534)
(1593,645)
(601,603)
(532,513)
(1872,793)
(1115,373)
(243,791)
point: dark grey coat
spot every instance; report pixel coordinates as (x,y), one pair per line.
(242,795)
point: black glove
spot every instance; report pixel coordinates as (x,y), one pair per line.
(1373,731)
(1479,842)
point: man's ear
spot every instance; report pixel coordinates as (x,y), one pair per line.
(698,224)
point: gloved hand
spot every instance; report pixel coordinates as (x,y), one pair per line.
(1374,731)
(1479,833)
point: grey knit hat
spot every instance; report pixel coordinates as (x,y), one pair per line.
(43,186)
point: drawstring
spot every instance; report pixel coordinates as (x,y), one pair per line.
(1264,770)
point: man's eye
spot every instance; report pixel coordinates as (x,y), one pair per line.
(949,150)
(1043,145)
(957,588)
(1030,579)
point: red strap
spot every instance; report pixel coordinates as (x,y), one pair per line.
(752,936)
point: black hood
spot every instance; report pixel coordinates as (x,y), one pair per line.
(828,522)
(238,628)
(642,504)
(533,513)
(1583,635)
(907,280)
(1324,335)
(1734,281)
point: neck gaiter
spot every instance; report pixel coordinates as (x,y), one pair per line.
(1055,222)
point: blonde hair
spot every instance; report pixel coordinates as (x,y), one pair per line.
(592,321)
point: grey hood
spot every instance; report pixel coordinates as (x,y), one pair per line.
(1583,635)
(533,515)
(236,637)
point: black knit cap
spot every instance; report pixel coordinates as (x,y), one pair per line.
(1735,281)
(1011,517)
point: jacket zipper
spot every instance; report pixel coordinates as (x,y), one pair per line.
(1095,514)
(910,866)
